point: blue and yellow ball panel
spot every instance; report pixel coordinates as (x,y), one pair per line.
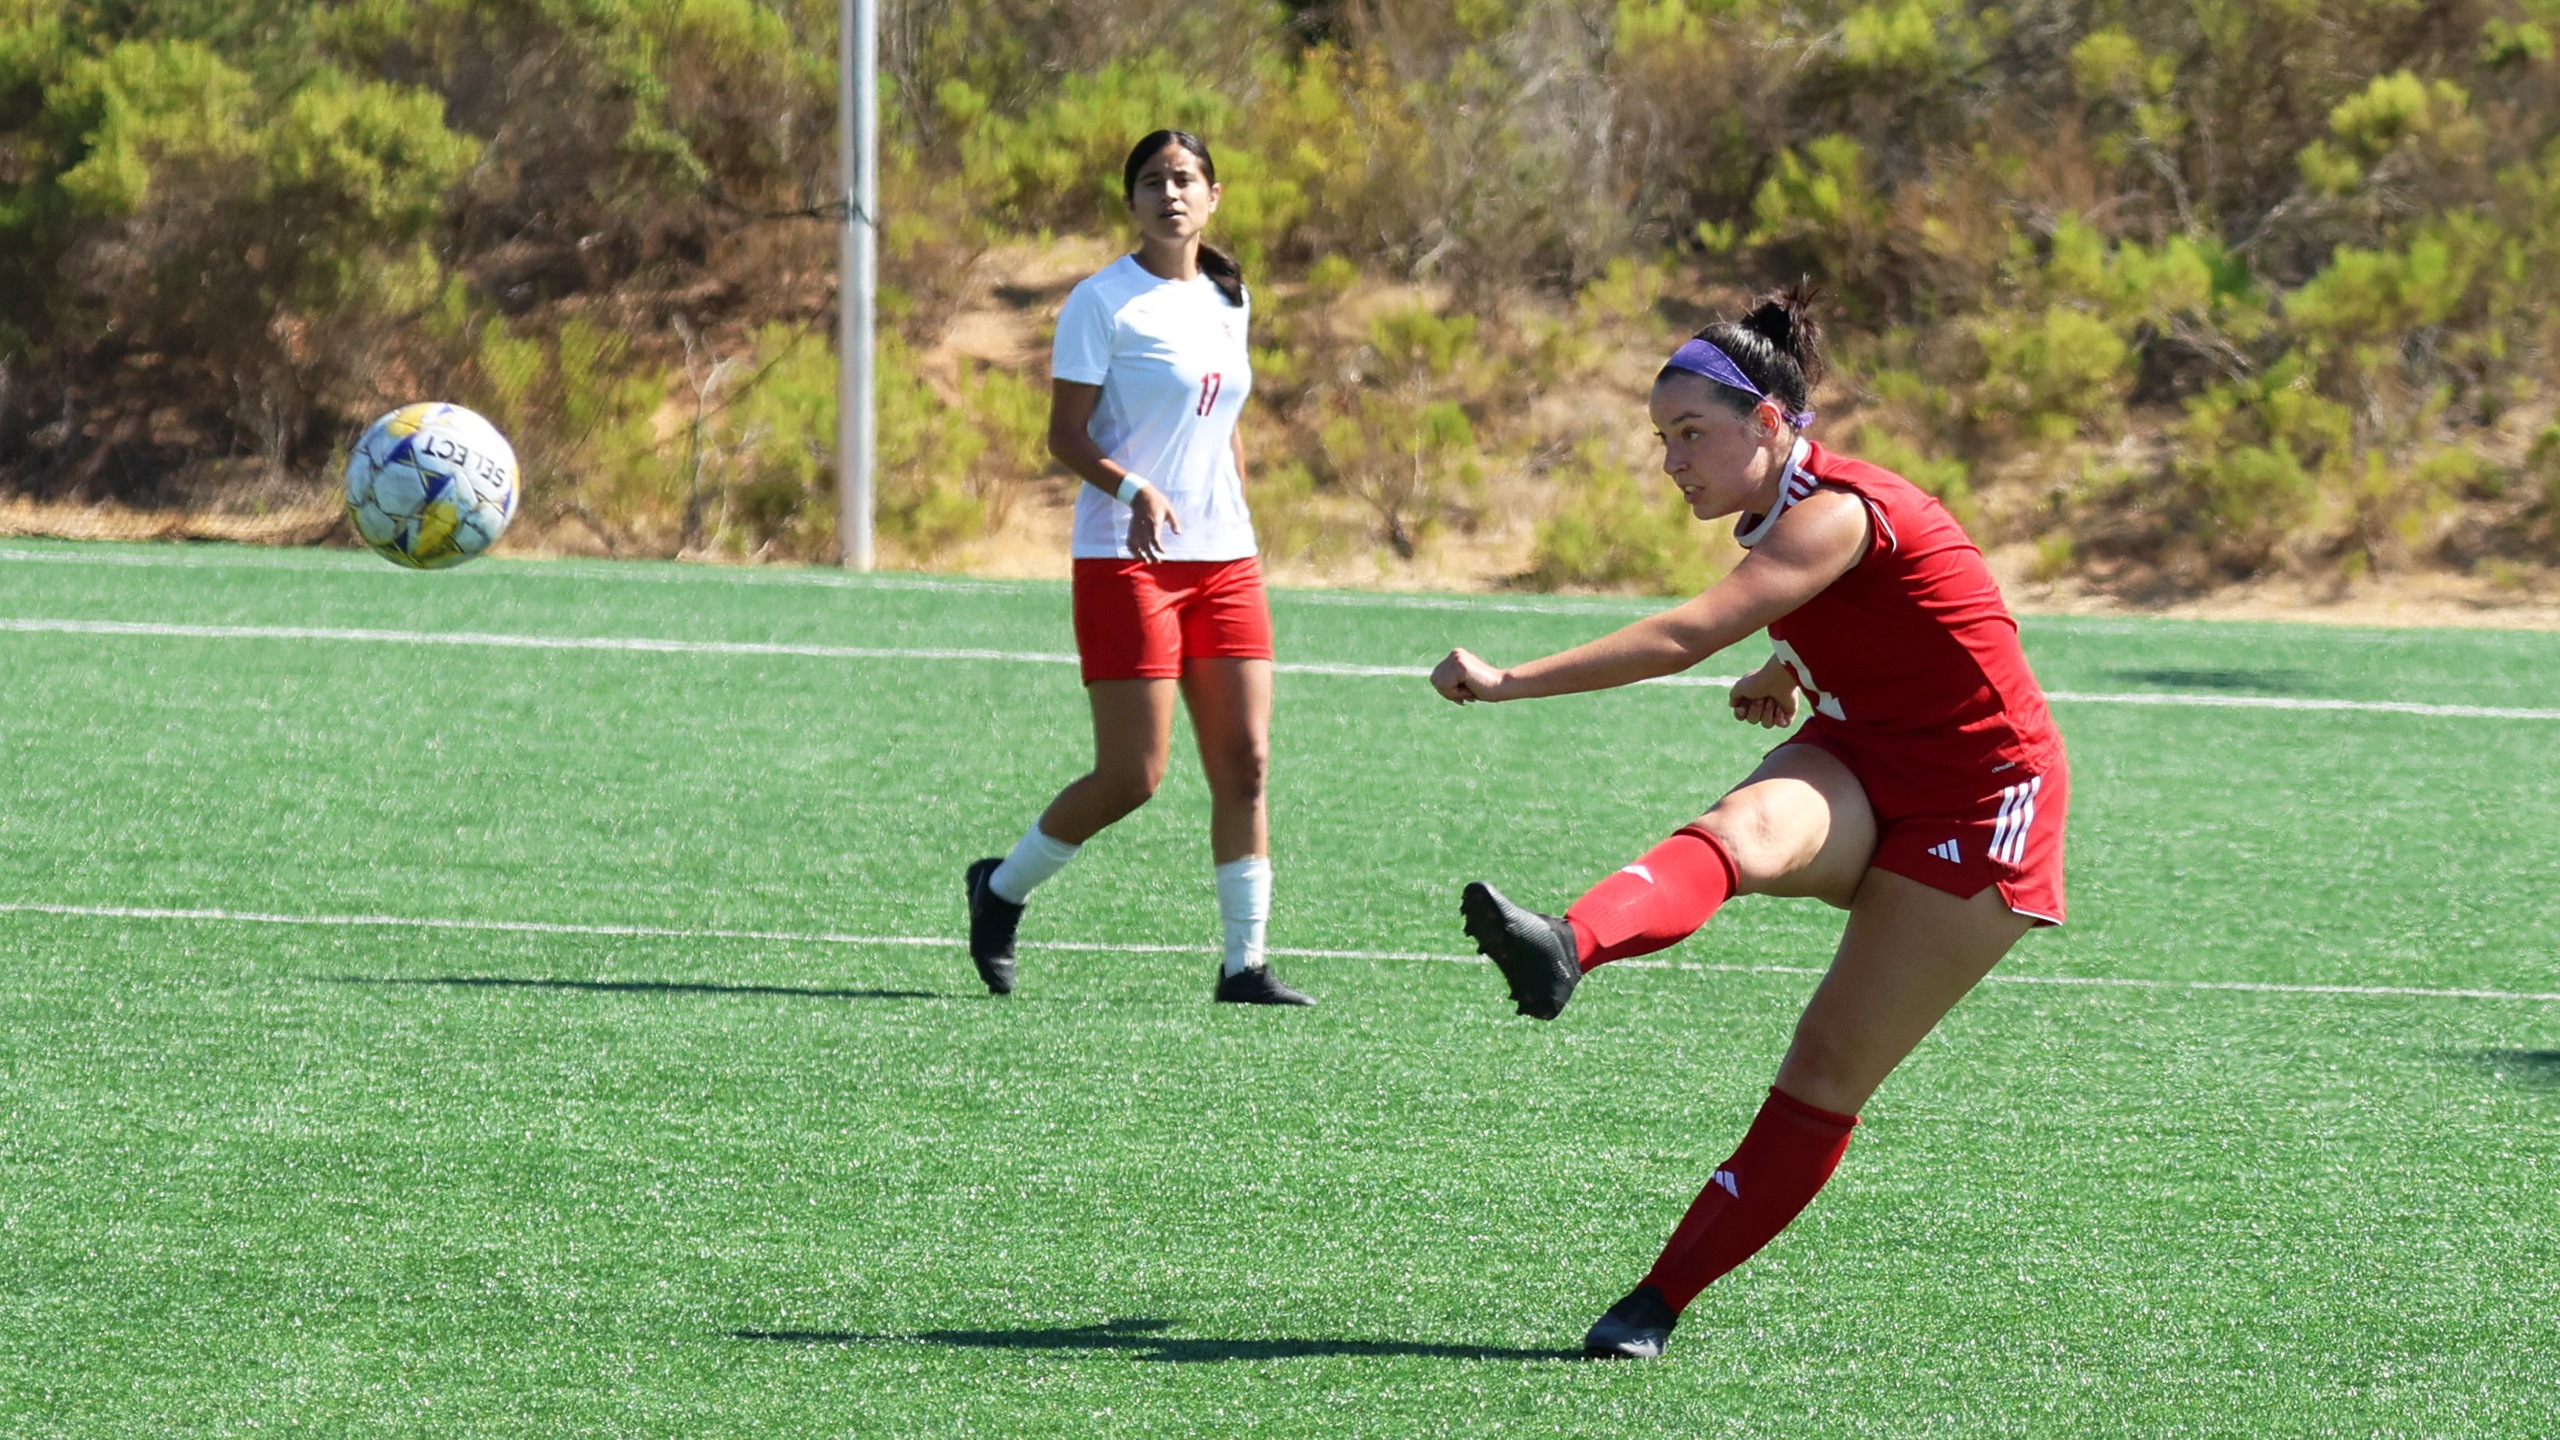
(430,485)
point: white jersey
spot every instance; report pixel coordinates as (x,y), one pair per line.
(1170,358)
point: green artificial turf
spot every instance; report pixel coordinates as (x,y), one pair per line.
(384,1178)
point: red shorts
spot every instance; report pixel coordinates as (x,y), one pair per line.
(2010,837)
(1139,620)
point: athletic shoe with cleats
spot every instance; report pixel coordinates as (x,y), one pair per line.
(1534,952)
(1636,1328)
(1256,985)
(992,919)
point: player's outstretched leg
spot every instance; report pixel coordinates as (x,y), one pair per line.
(1534,952)
(992,920)
(1667,895)
(1656,902)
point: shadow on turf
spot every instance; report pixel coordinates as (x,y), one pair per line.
(1145,1340)
(646,987)
(2539,1068)
(2256,682)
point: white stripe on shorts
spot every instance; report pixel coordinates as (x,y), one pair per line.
(2026,821)
(2017,813)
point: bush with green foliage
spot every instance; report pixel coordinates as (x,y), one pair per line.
(1615,530)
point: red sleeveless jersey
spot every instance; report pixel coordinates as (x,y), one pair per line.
(1910,658)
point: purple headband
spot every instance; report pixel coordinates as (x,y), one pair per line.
(1703,357)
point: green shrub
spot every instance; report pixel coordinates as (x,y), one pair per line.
(1909,42)
(2107,63)
(246,230)
(1612,530)
(2542,472)
(1818,199)
(2055,552)
(581,417)
(1058,165)
(2257,457)
(2506,42)
(1290,519)
(926,452)
(1403,443)
(1947,479)
(2395,505)
(1013,413)
(777,424)
(2052,375)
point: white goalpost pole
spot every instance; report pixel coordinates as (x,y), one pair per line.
(858,155)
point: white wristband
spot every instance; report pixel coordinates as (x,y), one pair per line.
(1130,485)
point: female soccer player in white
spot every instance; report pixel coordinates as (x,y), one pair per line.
(1925,795)
(1148,379)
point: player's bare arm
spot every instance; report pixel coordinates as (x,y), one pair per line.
(1813,544)
(1071,442)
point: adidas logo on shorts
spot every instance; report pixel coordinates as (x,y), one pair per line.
(1946,850)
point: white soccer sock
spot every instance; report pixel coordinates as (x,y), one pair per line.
(1244,903)
(1035,858)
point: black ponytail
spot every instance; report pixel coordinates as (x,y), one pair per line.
(1223,272)
(1778,345)
(1217,264)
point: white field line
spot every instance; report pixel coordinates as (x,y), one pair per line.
(352,564)
(646,932)
(517,642)
(348,562)
(27,625)
(2284,702)
(822,937)
(173,559)
(38,625)
(761,575)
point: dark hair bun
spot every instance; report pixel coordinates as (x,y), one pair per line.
(1785,319)
(1777,347)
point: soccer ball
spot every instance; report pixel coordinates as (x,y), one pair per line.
(431,485)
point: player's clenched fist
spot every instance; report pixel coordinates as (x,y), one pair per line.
(1462,677)
(1766,697)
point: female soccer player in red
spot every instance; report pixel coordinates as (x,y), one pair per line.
(1924,796)
(1149,377)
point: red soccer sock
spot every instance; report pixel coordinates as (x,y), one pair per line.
(1657,902)
(1789,1153)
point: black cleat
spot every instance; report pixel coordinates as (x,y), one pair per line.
(1636,1328)
(1534,952)
(1256,985)
(991,921)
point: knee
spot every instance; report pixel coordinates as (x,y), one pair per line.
(1127,788)
(1827,1068)
(1761,848)
(1242,772)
